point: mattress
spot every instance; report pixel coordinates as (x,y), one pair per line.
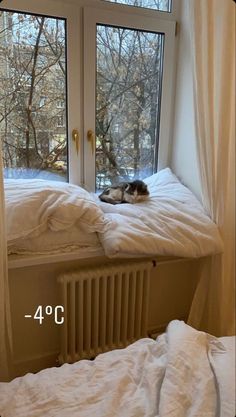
(183,373)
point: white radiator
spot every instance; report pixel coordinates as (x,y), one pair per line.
(105,308)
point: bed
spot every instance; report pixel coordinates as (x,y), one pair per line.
(49,217)
(183,373)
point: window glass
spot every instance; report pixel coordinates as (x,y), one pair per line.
(161,5)
(33,96)
(128,93)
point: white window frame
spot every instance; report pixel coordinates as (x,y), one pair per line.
(69,12)
(94,16)
(139,7)
(77,70)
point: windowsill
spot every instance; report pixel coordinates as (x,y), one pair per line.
(21,261)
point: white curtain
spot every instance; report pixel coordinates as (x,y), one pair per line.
(5,318)
(212,24)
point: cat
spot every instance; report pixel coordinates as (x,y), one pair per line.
(126,192)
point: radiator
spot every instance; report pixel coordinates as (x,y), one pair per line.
(105,308)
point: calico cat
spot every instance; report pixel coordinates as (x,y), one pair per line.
(126,192)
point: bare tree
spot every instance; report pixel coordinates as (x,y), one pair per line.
(129,65)
(33,98)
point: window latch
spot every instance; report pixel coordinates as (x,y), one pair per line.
(75,138)
(91,139)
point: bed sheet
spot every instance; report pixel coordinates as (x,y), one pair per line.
(182,373)
(224,367)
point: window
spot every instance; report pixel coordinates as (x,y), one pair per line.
(60,104)
(108,78)
(161,5)
(31,46)
(128,88)
(60,121)
(128,103)
(42,101)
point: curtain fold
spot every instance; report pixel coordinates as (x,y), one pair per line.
(5,317)
(212,24)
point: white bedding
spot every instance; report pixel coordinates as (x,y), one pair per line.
(34,206)
(171,222)
(76,238)
(182,374)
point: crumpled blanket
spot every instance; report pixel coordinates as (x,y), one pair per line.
(179,375)
(172,222)
(34,206)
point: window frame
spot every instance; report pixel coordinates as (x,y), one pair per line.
(94,16)
(73,12)
(143,7)
(71,15)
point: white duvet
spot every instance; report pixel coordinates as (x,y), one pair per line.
(35,206)
(171,222)
(185,373)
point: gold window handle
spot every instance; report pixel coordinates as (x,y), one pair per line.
(91,139)
(75,137)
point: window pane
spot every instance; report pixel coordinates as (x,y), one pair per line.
(162,5)
(129,74)
(33,96)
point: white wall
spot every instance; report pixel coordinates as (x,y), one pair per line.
(37,346)
(184,152)
(172,286)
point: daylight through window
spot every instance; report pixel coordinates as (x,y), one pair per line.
(33,96)
(161,5)
(129,75)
